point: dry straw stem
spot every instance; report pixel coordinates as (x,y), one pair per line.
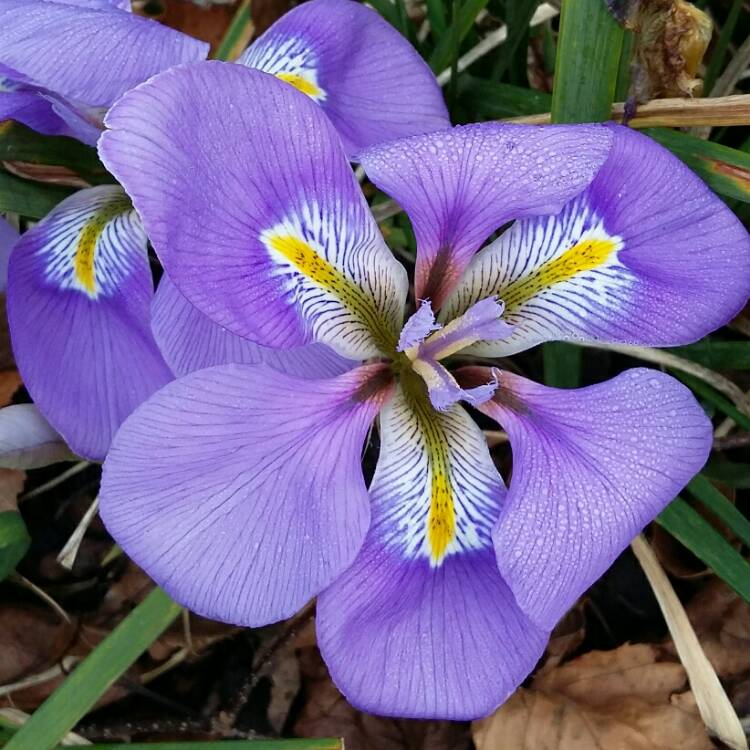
(69,552)
(713,704)
(667,359)
(674,113)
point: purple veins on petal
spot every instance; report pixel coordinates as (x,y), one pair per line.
(309,265)
(591,467)
(189,341)
(275,462)
(458,186)
(647,254)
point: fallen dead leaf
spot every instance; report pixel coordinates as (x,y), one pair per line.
(567,636)
(618,700)
(721,620)
(11,484)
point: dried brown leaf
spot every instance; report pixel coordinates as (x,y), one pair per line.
(618,700)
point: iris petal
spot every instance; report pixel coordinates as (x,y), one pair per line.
(459,186)
(281,249)
(190,341)
(27,440)
(422,624)
(646,255)
(239,489)
(591,467)
(79,291)
(367,78)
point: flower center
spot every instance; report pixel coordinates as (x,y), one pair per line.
(425,343)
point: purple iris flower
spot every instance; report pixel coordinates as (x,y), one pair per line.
(91,340)
(240,489)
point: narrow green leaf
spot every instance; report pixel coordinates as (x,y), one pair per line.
(623,71)
(236,35)
(731,473)
(720,48)
(719,504)
(19,143)
(725,170)
(96,674)
(705,542)
(31,199)
(491,100)
(519,13)
(437,19)
(717,355)
(441,56)
(588,58)
(562,364)
(14,541)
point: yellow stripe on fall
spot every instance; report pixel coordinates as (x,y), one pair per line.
(305,85)
(584,256)
(84,259)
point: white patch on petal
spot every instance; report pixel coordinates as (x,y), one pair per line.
(427,459)
(553,273)
(289,59)
(92,241)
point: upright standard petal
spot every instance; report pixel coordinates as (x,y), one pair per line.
(90,54)
(591,467)
(79,291)
(239,489)
(461,185)
(190,341)
(254,210)
(646,255)
(422,624)
(27,440)
(369,80)
(8,238)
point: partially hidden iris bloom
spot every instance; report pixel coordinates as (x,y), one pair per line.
(240,489)
(90,339)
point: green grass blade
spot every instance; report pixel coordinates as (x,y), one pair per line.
(31,199)
(19,143)
(490,100)
(562,364)
(720,49)
(236,36)
(720,506)
(14,541)
(91,679)
(588,57)
(519,13)
(731,473)
(706,543)
(437,18)
(725,170)
(717,355)
(441,57)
